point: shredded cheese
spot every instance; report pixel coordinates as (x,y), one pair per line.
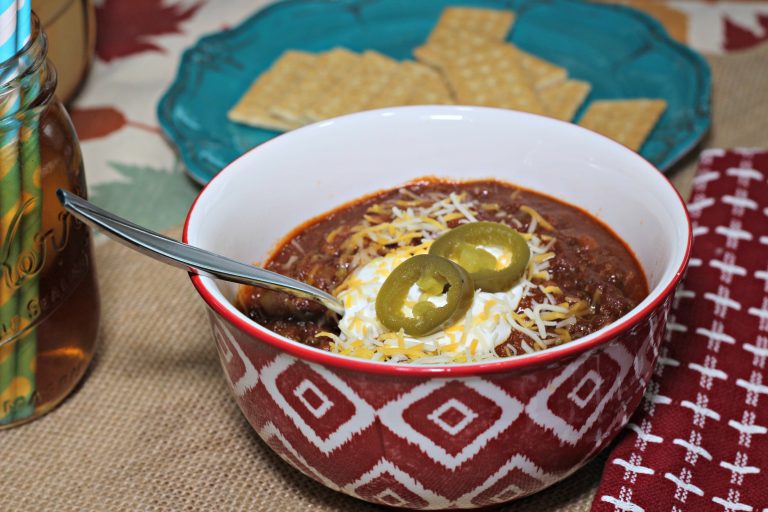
(537,217)
(392,232)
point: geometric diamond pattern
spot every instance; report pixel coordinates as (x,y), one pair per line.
(389,485)
(508,483)
(545,406)
(308,392)
(413,418)
(441,416)
(241,366)
(278,442)
(341,413)
(423,443)
(582,394)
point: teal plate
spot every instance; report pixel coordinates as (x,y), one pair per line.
(622,52)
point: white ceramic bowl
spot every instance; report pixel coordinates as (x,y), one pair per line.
(549,411)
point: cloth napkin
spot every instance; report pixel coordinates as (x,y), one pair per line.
(699,440)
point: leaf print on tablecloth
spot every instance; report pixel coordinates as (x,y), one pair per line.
(151,197)
(97,122)
(92,123)
(124,27)
(738,37)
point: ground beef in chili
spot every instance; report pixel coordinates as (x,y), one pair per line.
(591,263)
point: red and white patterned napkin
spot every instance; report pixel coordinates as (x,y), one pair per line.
(699,440)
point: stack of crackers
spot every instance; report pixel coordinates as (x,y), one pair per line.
(302,88)
(466,60)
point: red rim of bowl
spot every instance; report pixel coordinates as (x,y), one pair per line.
(523,362)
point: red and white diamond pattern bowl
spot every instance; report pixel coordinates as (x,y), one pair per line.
(452,436)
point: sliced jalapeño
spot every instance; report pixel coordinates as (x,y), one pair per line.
(449,287)
(468,244)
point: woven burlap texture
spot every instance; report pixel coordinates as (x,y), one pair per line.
(153,426)
(739,108)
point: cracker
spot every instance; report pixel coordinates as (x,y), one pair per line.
(254,107)
(543,73)
(429,87)
(354,91)
(628,122)
(492,77)
(441,50)
(396,90)
(490,23)
(332,67)
(432,55)
(412,84)
(563,99)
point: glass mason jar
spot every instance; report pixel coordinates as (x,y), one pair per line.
(49,303)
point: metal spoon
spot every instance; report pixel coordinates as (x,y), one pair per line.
(188,257)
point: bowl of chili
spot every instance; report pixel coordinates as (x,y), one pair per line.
(406,428)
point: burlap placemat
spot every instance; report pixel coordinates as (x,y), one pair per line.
(739,108)
(153,426)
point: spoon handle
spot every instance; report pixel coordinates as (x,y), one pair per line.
(187,257)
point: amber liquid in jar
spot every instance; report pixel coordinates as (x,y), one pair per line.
(67,337)
(57,325)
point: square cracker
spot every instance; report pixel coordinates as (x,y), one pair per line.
(563,99)
(396,90)
(442,49)
(412,84)
(332,67)
(492,24)
(542,72)
(628,122)
(492,77)
(254,107)
(353,92)
(429,86)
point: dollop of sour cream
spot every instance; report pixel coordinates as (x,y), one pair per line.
(487,323)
